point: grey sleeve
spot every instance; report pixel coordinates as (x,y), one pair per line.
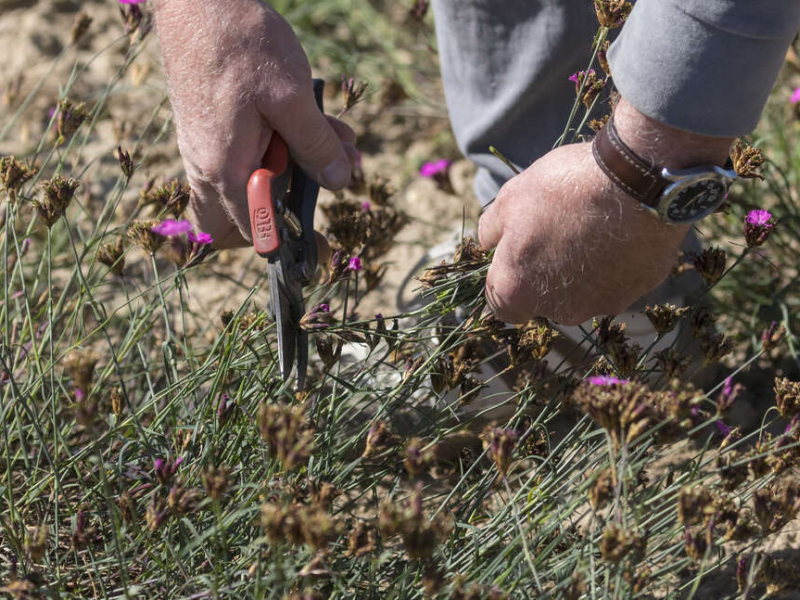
(704,66)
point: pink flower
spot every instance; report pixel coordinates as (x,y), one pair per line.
(795,96)
(201,237)
(171,227)
(355,264)
(131,1)
(431,169)
(607,380)
(758,225)
(366,206)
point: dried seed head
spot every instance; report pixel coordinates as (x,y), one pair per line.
(747,160)
(142,234)
(500,443)
(215,482)
(710,264)
(592,85)
(13,175)
(715,346)
(787,397)
(80,364)
(671,362)
(171,196)
(362,540)
(664,317)
(352,92)
(157,513)
(603,489)
(298,524)
(602,57)
(182,501)
(127,507)
(79,28)
(287,433)
(57,195)
(420,536)
(379,439)
(612,13)
(732,469)
(112,256)
(417,457)
(125,162)
(36,541)
(117,401)
(618,543)
(70,118)
(695,545)
(772,335)
(695,505)
(597,124)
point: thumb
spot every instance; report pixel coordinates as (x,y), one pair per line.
(313,142)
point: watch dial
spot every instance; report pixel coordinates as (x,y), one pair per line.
(696,200)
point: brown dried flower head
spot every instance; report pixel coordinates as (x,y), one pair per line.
(13,175)
(157,513)
(500,443)
(695,505)
(172,196)
(420,535)
(79,28)
(664,317)
(710,264)
(80,364)
(747,160)
(57,193)
(618,543)
(787,397)
(362,540)
(602,490)
(299,524)
(182,501)
(142,234)
(287,433)
(36,541)
(612,13)
(112,255)
(215,482)
(70,117)
(352,92)
(379,439)
(772,335)
(671,362)
(597,124)
(417,457)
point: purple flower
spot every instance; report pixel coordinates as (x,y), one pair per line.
(366,206)
(724,430)
(201,237)
(728,395)
(758,216)
(576,78)
(79,395)
(355,264)
(431,169)
(131,1)
(171,227)
(795,96)
(607,380)
(758,225)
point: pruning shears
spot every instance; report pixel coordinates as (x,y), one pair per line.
(282,200)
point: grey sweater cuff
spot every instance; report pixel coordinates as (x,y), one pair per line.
(704,66)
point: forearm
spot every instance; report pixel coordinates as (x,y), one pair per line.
(666,146)
(705,66)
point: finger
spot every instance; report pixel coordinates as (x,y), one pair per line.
(342,129)
(207,213)
(490,227)
(313,141)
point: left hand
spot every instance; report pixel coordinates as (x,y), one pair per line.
(571,245)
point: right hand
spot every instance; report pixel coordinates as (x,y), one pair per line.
(236,73)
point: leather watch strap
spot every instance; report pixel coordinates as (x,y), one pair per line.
(625,168)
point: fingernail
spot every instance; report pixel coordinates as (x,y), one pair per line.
(336,175)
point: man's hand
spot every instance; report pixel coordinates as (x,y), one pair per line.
(570,244)
(236,72)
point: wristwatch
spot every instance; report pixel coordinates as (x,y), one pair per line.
(675,195)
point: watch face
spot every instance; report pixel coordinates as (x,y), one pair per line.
(693,198)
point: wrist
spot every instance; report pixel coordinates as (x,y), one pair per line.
(666,146)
